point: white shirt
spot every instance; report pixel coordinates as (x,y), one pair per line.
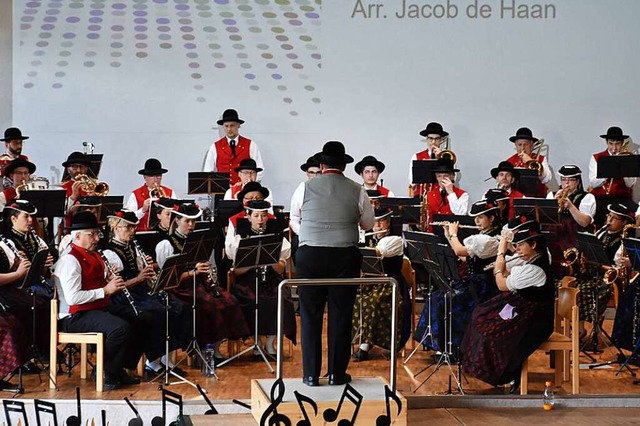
(587,205)
(296,200)
(527,275)
(132,203)
(546,175)
(212,155)
(459,206)
(482,246)
(596,183)
(164,249)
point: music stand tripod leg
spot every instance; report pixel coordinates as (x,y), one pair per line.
(427,331)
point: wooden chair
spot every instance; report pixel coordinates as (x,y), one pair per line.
(83,339)
(565,338)
(409,275)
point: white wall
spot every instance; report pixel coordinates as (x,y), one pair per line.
(381,80)
(6,64)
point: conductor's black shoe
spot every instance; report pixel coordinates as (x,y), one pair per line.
(311,381)
(339,379)
(127,380)
(514,386)
(360,355)
(111,384)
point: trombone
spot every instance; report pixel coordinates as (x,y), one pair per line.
(535,164)
(446,153)
(92,186)
(157,191)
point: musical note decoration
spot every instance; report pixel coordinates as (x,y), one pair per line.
(45,407)
(330,415)
(137,421)
(385,419)
(304,398)
(75,420)
(271,417)
(171,398)
(212,409)
(15,407)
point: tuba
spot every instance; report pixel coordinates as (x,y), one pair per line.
(625,150)
(92,186)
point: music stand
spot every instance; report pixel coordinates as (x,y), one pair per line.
(109,206)
(168,279)
(544,209)
(528,182)
(397,204)
(224,209)
(618,166)
(257,252)
(632,246)
(422,171)
(95,163)
(148,240)
(50,203)
(207,183)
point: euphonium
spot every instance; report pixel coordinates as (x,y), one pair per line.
(535,164)
(92,186)
(571,256)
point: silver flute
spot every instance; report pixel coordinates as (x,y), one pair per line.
(492,264)
(125,290)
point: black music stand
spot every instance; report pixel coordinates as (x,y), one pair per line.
(258,253)
(168,279)
(528,182)
(422,171)
(109,206)
(225,209)
(207,183)
(397,204)
(618,166)
(95,164)
(50,203)
(148,240)
(545,210)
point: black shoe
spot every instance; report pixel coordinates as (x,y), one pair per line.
(148,371)
(111,384)
(514,386)
(360,355)
(311,381)
(339,379)
(126,379)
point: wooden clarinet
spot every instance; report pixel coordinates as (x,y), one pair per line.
(19,255)
(151,282)
(125,290)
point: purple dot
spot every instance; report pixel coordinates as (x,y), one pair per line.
(140,28)
(73,19)
(117,36)
(312,15)
(282,38)
(292,56)
(69,35)
(222,1)
(119,6)
(56,85)
(95,20)
(250,76)
(50,19)
(47,27)
(94,27)
(186,29)
(229,21)
(276,76)
(272,66)
(189,46)
(140,36)
(89,64)
(139,13)
(33,4)
(160,1)
(164,28)
(182,7)
(295,22)
(55,4)
(52,12)
(30,12)
(117,28)
(162,21)
(141,45)
(220,65)
(232,29)
(45,35)
(297,66)
(96,13)
(25,26)
(140,20)
(27,19)
(316,56)
(93,36)
(116,45)
(194,65)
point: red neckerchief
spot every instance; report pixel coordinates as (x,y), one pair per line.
(332,172)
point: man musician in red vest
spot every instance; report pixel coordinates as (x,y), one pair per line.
(523,141)
(611,190)
(505,175)
(435,137)
(247,172)
(13,140)
(76,164)
(369,168)
(444,197)
(227,152)
(141,198)
(86,291)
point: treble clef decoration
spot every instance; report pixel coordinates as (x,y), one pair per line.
(271,417)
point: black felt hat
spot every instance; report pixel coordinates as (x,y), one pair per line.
(230,115)
(88,201)
(311,162)
(76,158)
(527,233)
(382,213)
(251,187)
(496,194)
(482,207)
(333,153)
(22,206)
(434,128)
(152,167)
(369,160)
(622,211)
(258,205)
(614,133)
(84,220)
(521,221)
(166,203)
(444,165)
(374,194)
(187,210)
(248,164)
(13,133)
(505,166)
(19,162)
(569,170)
(126,215)
(523,133)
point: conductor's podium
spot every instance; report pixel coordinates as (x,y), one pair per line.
(364,400)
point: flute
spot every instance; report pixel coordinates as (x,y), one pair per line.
(125,290)
(459,226)
(492,264)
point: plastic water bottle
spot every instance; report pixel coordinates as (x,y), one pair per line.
(208,365)
(548,398)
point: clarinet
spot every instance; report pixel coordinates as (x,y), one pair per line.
(263,269)
(125,290)
(213,279)
(151,282)
(15,251)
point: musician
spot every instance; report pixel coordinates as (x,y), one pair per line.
(247,172)
(372,308)
(369,168)
(509,327)
(86,203)
(252,191)
(219,316)
(577,206)
(523,141)
(19,171)
(136,271)
(163,210)
(446,197)
(13,140)
(226,153)
(332,207)
(269,277)
(611,190)
(311,167)
(141,198)
(506,175)
(86,287)
(435,136)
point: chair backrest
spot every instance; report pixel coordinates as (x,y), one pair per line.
(54,318)
(567,299)
(568,281)
(408,272)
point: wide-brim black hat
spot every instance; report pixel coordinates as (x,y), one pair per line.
(84,220)
(88,201)
(527,233)
(434,128)
(13,133)
(614,133)
(166,203)
(258,205)
(22,206)
(311,162)
(369,160)
(152,167)
(569,170)
(496,194)
(19,162)
(230,115)
(505,166)
(333,153)
(382,213)
(444,165)
(76,158)
(622,211)
(126,215)
(373,194)
(252,187)
(482,207)
(248,164)
(521,221)
(523,133)
(188,210)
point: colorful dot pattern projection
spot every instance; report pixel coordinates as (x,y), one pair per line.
(267,44)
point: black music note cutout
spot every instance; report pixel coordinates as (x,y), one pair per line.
(271,416)
(304,398)
(212,409)
(75,420)
(172,398)
(385,419)
(16,407)
(45,407)
(133,422)
(330,415)
(104,417)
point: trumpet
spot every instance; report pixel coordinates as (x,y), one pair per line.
(92,186)
(125,290)
(157,191)
(445,223)
(24,186)
(142,257)
(562,196)
(493,264)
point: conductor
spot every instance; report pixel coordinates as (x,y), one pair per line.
(329,209)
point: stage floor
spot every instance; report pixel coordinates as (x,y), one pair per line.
(235,379)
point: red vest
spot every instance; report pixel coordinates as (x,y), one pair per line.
(141,195)
(226,162)
(423,155)
(437,205)
(512,196)
(614,187)
(67,186)
(234,191)
(92,274)
(541,191)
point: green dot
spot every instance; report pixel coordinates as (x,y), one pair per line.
(65,53)
(254,87)
(255,30)
(245,8)
(214,46)
(282,2)
(277,30)
(315,100)
(282,88)
(309,88)
(262,46)
(165,45)
(205,14)
(217,55)
(238,46)
(269,15)
(305,38)
(226,14)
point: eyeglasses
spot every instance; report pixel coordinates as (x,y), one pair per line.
(247,172)
(254,198)
(314,173)
(432,139)
(93,233)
